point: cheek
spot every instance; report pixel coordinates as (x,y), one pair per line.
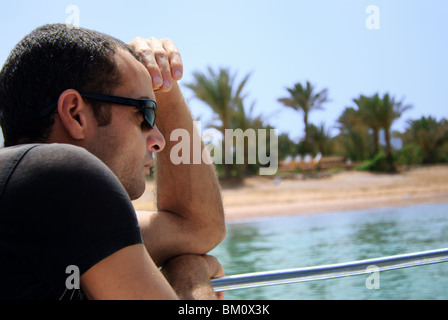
(134,153)
(137,147)
(126,146)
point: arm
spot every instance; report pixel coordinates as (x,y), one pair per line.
(190,217)
(184,274)
(130,274)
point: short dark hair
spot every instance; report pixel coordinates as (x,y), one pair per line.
(48,61)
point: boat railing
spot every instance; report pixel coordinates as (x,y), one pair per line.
(258,279)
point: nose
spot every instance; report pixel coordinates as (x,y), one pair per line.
(155,142)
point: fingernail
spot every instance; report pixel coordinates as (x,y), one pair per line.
(166,84)
(157,80)
(178,74)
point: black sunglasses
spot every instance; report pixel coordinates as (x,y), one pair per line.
(147,107)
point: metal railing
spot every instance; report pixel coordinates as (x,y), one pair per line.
(258,279)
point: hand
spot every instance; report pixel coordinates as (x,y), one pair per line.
(190,275)
(162,60)
(216,271)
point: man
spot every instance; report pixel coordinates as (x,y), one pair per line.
(75,106)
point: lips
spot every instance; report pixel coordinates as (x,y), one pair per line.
(149,160)
(149,164)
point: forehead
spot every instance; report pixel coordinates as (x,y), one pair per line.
(136,80)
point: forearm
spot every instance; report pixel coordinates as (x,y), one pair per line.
(189,277)
(190,190)
(190,217)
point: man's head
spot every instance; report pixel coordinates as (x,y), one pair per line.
(55,63)
(46,62)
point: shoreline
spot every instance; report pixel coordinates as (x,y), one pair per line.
(347,190)
(295,209)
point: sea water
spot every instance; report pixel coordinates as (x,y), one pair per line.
(288,242)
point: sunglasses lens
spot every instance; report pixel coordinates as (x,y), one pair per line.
(150,116)
(149,112)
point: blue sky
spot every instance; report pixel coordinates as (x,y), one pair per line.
(281,43)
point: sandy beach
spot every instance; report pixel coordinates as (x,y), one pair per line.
(349,190)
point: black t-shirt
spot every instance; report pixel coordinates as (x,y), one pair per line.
(60,206)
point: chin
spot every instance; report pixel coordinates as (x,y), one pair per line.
(135,192)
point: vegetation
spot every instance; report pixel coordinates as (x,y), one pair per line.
(226,99)
(364,137)
(376,114)
(426,141)
(305,99)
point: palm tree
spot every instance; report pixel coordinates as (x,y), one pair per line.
(354,135)
(368,113)
(305,99)
(428,134)
(217,90)
(389,111)
(321,139)
(380,113)
(246,120)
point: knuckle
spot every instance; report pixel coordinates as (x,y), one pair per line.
(138,43)
(176,57)
(146,51)
(176,62)
(152,66)
(160,55)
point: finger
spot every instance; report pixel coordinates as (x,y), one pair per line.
(216,271)
(146,52)
(175,58)
(162,60)
(220,295)
(215,267)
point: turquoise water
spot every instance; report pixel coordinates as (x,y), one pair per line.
(310,240)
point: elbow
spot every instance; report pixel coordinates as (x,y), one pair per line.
(216,233)
(221,232)
(220,227)
(213,233)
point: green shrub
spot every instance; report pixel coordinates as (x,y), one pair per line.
(410,154)
(379,163)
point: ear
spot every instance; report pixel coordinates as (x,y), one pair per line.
(74,113)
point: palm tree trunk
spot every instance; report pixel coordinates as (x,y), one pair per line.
(376,143)
(305,121)
(388,142)
(308,147)
(389,157)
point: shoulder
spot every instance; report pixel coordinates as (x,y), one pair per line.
(52,165)
(44,153)
(48,159)
(60,153)
(63,159)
